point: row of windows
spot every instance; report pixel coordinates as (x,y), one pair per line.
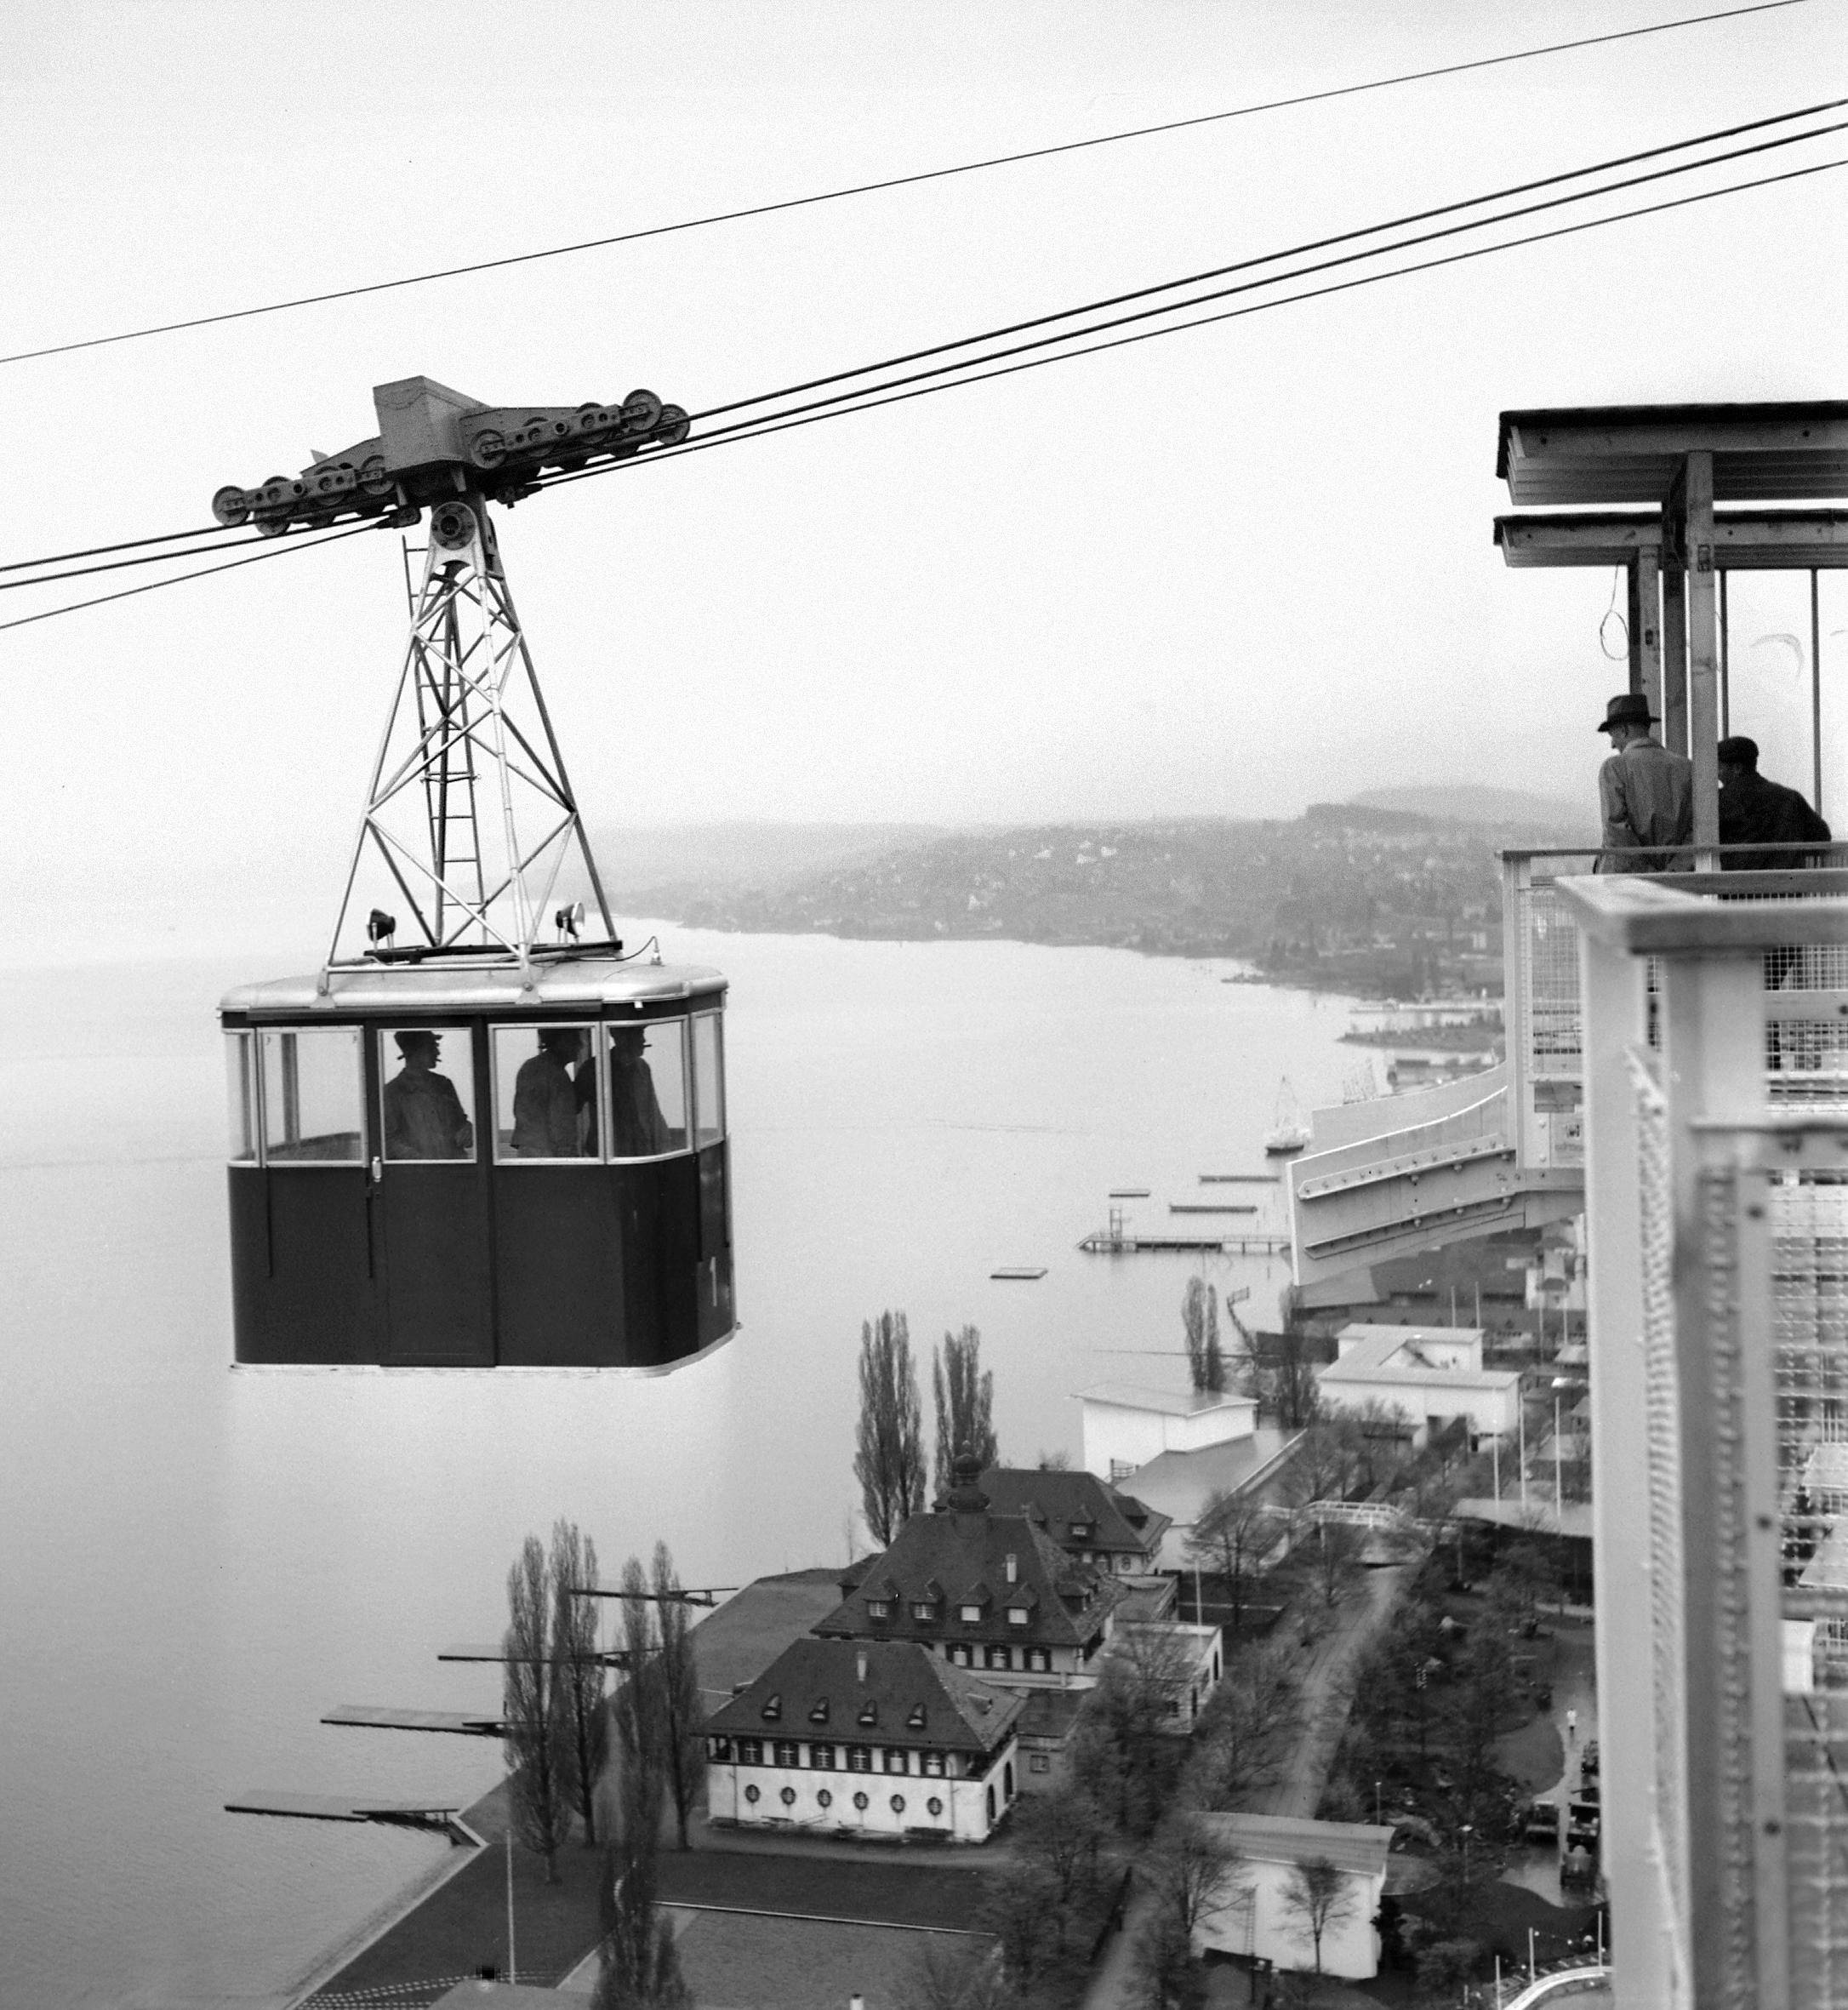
(853,1758)
(1032,1660)
(824,1799)
(588,1093)
(930,1614)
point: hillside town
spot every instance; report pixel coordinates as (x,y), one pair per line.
(1348,897)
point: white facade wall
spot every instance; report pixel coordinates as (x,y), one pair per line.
(1491,1412)
(1119,1437)
(963,1809)
(1251,1919)
(1067,1669)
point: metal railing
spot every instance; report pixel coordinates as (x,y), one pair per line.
(1714,1058)
(1542,1009)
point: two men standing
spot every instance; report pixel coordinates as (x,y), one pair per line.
(1645,796)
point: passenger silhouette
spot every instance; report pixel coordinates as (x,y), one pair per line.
(549,1120)
(638,1128)
(424,1117)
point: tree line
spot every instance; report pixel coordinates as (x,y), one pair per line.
(609,1765)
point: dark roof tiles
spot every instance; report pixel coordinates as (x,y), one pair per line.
(907,1697)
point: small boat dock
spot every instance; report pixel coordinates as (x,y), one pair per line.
(1120,1242)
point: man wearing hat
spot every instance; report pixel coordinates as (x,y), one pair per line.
(1754,811)
(1645,793)
(423,1117)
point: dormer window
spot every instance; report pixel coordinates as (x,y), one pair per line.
(923,1609)
(879,1608)
(1081,1531)
(1018,1615)
(916,1721)
(772,1709)
(819,1715)
(869,1713)
(971,1615)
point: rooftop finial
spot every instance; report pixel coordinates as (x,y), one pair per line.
(965,1495)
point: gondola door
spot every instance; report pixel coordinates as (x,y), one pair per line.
(430,1200)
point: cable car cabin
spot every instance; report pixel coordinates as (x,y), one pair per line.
(434,1166)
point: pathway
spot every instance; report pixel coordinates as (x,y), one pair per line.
(1326,1692)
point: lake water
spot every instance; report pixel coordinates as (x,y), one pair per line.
(198,1563)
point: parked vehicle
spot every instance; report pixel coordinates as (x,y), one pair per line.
(1540,1822)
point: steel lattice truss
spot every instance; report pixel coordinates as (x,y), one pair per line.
(470,813)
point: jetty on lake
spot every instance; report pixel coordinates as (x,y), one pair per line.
(1119,1241)
(1213,1207)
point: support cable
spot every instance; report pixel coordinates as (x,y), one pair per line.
(1093,307)
(839,407)
(1502,195)
(1350,90)
(278,547)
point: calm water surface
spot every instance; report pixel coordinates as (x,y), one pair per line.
(198,1563)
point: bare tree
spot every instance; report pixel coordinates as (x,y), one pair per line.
(1322,1466)
(1248,1730)
(1063,1832)
(889,1458)
(638,1967)
(1019,1909)
(1331,1559)
(1232,1536)
(1191,1869)
(965,1396)
(537,1743)
(642,1781)
(960,1974)
(1200,1320)
(1128,1714)
(1164,1972)
(580,1671)
(1288,1382)
(1317,1896)
(677,1715)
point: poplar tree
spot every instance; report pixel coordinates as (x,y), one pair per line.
(677,1715)
(889,1458)
(965,1396)
(1199,1319)
(536,1736)
(580,1670)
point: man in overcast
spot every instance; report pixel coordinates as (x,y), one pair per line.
(1645,793)
(1755,811)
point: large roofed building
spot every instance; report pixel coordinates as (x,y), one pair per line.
(869,1737)
(984,1590)
(1091,1522)
(1432,1373)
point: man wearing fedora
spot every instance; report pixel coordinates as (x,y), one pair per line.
(1645,793)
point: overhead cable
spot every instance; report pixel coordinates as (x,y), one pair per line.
(205,530)
(868,401)
(115,565)
(278,547)
(1336,91)
(1500,195)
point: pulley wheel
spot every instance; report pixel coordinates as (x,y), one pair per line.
(453,525)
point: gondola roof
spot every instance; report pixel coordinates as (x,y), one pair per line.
(459,984)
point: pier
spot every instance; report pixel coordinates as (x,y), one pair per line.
(1112,1243)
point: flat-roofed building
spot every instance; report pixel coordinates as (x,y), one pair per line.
(1251,1914)
(1433,1374)
(1126,1425)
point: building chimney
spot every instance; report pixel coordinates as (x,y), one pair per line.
(1014,1568)
(859,1666)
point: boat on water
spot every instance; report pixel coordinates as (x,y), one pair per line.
(1290,1133)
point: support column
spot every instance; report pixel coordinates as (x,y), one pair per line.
(1702,653)
(1726,664)
(1816,686)
(1674,659)
(1645,1954)
(1647,628)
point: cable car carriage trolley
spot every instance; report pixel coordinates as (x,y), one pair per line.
(474,1138)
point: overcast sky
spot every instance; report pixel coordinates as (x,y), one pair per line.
(1230,572)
